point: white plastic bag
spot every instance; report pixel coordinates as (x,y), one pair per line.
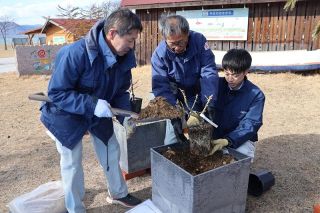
(48,197)
(120,132)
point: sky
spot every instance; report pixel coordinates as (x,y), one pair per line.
(31,12)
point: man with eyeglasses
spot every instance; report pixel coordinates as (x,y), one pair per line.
(184,61)
(239,106)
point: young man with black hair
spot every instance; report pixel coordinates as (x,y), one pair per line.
(239,106)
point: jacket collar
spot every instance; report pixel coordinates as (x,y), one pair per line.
(108,56)
(91,40)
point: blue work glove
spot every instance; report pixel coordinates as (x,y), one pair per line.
(102,109)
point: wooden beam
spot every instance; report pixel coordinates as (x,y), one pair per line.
(200,3)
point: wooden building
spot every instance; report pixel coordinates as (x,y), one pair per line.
(61,31)
(270,27)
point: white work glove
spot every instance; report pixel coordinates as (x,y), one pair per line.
(194,119)
(103,109)
(218,145)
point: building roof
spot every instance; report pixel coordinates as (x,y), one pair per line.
(78,27)
(148,4)
(32,31)
(134,2)
(155,3)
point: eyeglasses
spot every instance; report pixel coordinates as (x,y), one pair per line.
(181,43)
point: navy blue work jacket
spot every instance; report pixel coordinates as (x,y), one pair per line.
(238,113)
(85,71)
(194,71)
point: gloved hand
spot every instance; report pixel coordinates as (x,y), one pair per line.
(103,109)
(218,145)
(194,119)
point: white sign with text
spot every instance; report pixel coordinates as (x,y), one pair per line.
(219,24)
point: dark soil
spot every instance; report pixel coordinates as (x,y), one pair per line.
(195,161)
(159,108)
(196,164)
(199,137)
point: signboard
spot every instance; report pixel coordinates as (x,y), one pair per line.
(219,24)
(58,40)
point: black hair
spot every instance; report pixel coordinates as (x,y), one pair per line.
(237,60)
(123,20)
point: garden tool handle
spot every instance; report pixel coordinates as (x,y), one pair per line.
(126,113)
(208,120)
(40,96)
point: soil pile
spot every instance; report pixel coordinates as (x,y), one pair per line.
(159,108)
(199,137)
(196,164)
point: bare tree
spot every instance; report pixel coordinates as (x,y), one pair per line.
(290,5)
(6,24)
(92,12)
(103,10)
(109,6)
(69,12)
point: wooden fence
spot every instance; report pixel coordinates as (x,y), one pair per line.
(270,28)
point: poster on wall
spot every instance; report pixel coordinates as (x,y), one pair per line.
(219,24)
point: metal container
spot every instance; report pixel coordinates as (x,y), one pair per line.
(223,189)
(135,151)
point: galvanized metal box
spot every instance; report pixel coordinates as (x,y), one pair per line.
(223,189)
(135,150)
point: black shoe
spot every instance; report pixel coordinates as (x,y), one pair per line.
(127,201)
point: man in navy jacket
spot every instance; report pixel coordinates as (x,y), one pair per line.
(239,106)
(90,76)
(184,61)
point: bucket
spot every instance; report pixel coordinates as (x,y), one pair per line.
(136,104)
(260,182)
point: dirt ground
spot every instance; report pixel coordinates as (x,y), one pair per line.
(289,144)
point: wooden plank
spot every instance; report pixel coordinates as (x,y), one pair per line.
(274,27)
(154,29)
(148,45)
(308,23)
(143,39)
(299,26)
(233,44)
(248,43)
(291,29)
(138,43)
(282,29)
(225,45)
(265,19)
(257,28)
(316,41)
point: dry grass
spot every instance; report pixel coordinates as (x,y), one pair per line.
(289,144)
(6,53)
